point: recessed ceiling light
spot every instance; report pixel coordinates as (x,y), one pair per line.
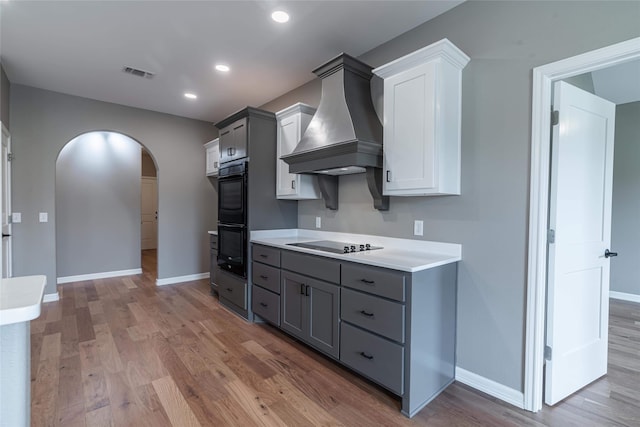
(280,16)
(223,68)
(190,95)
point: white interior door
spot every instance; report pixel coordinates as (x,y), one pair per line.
(149,213)
(580,215)
(5,172)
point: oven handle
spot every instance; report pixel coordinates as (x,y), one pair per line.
(231,226)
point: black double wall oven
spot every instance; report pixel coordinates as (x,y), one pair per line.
(232,217)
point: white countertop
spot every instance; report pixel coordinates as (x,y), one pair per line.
(21,298)
(397,254)
(214,232)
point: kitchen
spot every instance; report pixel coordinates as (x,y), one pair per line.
(488,218)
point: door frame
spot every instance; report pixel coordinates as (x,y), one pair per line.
(543,79)
(155,179)
(7,134)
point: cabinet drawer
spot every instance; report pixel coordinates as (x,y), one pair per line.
(375,314)
(372,356)
(266,276)
(309,265)
(213,241)
(374,280)
(266,255)
(266,305)
(232,289)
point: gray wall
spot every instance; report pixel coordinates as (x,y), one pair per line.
(5,88)
(148,167)
(625,229)
(505,41)
(98,204)
(42,122)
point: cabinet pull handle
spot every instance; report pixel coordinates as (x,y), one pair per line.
(215,164)
(264,256)
(262,276)
(368,282)
(366,313)
(366,356)
(306,290)
(301,288)
(229,290)
(388,175)
(264,305)
(293,184)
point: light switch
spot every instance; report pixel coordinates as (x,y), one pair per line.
(418,228)
(16,217)
(318,222)
(44,217)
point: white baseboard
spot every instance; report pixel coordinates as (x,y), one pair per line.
(497,390)
(105,275)
(182,279)
(51,297)
(624,296)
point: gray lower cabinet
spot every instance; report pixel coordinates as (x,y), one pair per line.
(265,283)
(394,327)
(213,266)
(311,311)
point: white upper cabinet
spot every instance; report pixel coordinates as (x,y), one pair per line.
(292,122)
(213,157)
(422,104)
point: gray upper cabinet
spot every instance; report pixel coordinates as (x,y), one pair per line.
(233,141)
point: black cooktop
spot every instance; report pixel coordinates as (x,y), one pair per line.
(336,247)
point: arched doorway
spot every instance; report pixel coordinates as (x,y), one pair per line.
(98,207)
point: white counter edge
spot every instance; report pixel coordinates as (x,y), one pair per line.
(28,310)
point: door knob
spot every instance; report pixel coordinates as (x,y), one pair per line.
(608,254)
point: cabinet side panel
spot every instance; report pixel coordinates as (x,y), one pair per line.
(265,211)
(431,318)
(448,128)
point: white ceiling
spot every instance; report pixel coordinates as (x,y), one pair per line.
(619,84)
(80,48)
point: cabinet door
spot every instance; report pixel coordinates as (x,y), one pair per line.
(324,311)
(288,137)
(292,304)
(409,130)
(233,141)
(213,158)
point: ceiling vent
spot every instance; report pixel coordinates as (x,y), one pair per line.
(138,72)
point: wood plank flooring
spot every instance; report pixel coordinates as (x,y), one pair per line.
(123,352)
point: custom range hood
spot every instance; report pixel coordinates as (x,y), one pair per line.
(345,135)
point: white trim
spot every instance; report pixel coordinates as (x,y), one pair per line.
(105,275)
(543,77)
(485,385)
(182,279)
(51,297)
(624,296)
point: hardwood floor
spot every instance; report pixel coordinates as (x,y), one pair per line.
(124,352)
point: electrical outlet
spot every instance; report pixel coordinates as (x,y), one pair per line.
(16,217)
(44,217)
(318,222)
(418,228)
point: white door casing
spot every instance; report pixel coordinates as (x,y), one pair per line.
(580,215)
(149,213)
(5,172)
